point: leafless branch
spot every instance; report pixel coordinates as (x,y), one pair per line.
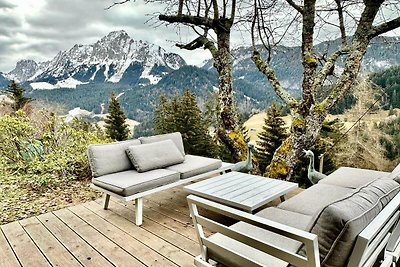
(385,27)
(295,6)
(117,3)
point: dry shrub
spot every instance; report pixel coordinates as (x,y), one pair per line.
(362,147)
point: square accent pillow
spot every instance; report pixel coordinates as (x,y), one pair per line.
(146,157)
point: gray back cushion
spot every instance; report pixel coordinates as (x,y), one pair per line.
(338,224)
(156,155)
(175,137)
(110,158)
(395,174)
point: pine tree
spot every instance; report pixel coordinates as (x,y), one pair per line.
(17,95)
(271,137)
(181,114)
(116,127)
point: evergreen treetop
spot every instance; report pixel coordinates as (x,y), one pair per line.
(17,94)
(272,135)
(181,114)
(116,127)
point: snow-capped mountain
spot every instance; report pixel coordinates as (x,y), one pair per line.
(115,58)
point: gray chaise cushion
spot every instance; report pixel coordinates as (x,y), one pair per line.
(110,158)
(194,165)
(395,174)
(338,225)
(352,177)
(314,199)
(155,155)
(297,220)
(175,137)
(127,183)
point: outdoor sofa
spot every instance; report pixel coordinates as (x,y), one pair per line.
(132,169)
(351,218)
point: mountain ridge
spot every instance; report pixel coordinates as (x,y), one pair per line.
(114,58)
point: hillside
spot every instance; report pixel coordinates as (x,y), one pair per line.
(255,123)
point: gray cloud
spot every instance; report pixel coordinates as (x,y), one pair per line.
(6,4)
(42,28)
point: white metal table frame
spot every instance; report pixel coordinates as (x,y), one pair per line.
(243,191)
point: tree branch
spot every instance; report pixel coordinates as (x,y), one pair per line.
(341,23)
(385,27)
(194,20)
(199,42)
(295,6)
(117,3)
(270,73)
(327,69)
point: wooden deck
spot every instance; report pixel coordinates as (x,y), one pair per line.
(87,235)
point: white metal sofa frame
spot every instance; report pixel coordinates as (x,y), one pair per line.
(381,235)
(138,197)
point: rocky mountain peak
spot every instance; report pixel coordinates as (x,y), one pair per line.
(24,69)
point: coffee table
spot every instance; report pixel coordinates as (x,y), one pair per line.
(240,190)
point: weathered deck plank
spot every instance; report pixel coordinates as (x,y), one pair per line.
(54,252)
(163,247)
(117,255)
(7,257)
(158,229)
(22,245)
(147,256)
(84,253)
(87,235)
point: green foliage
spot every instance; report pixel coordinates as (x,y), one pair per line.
(181,114)
(46,152)
(116,127)
(391,138)
(389,80)
(271,137)
(17,94)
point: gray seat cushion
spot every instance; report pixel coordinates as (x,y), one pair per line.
(127,183)
(395,174)
(299,221)
(352,177)
(314,199)
(194,165)
(175,137)
(155,155)
(110,158)
(339,223)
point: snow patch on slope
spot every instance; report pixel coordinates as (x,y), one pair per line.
(68,83)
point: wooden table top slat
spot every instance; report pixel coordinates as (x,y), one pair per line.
(244,191)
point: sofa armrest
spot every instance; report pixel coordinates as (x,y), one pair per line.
(309,240)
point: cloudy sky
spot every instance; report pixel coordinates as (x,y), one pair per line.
(38,29)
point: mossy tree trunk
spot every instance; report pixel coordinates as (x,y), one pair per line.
(218,17)
(307,113)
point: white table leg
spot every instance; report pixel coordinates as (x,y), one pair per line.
(139,211)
